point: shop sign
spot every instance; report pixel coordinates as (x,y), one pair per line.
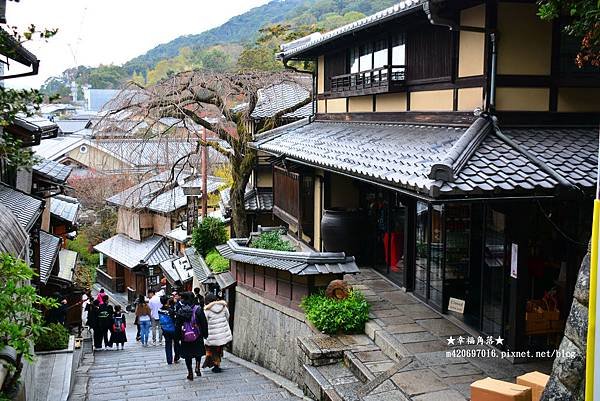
(514,256)
(456,305)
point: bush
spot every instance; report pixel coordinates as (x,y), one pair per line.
(273,241)
(332,316)
(209,233)
(56,337)
(216,262)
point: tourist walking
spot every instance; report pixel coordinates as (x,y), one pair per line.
(92,323)
(118,335)
(166,315)
(100,296)
(194,328)
(105,321)
(155,304)
(143,315)
(219,332)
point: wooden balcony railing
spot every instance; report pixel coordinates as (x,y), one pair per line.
(381,77)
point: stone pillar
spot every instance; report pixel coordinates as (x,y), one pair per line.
(567,378)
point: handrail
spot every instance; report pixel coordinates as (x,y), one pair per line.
(368,79)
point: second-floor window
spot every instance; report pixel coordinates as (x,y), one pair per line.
(389,62)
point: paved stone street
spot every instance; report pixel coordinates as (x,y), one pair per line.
(138,373)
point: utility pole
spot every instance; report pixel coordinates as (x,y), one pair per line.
(204,173)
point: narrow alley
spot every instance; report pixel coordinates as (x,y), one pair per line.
(138,373)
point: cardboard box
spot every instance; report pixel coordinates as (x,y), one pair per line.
(537,381)
(496,390)
(532,326)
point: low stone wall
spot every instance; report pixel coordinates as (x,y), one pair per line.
(266,333)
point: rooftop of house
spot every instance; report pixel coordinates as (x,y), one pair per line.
(52,171)
(26,208)
(49,249)
(64,208)
(163,193)
(279,97)
(444,161)
(13,237)
(130,253)
(297,47)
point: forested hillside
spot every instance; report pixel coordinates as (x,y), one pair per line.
(249,40)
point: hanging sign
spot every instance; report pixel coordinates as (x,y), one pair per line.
(456,305)
(514,256)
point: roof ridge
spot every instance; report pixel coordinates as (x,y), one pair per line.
(532,158)
(462,150)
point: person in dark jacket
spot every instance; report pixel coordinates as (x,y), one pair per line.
(195,349)
(118,335)
(92,322)
(105,322)
(167,318)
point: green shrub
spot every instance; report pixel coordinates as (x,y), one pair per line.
(332,316)
(273,241)
(216,262)
(209,233)
(56,337)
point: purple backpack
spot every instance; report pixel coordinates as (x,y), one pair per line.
(191,332)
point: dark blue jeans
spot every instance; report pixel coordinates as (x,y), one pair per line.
(171,343)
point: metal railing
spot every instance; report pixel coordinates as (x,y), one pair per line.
(378,77)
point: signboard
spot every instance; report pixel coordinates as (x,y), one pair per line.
(192,213)
(456,305)
(514,256)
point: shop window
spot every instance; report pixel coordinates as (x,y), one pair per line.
(437,253)
(422,249)
(493,272)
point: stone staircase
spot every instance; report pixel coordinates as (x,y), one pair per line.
(402,355)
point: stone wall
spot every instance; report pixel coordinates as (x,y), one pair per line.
(566,381)
(266,333)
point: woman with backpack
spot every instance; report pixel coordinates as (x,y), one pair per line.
(144,317)
(166,317)
(219,333)
(118,335)
(194,328)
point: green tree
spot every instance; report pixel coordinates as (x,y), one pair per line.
(21,321)
(583,22)
(209,233)
(259,57)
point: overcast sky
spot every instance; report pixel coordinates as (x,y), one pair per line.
(111,31)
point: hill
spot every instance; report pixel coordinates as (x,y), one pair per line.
(221,46)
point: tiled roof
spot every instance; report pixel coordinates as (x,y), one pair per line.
(444,161)
(160,195)
(297,263)
(281,96)
(56,148)
(26,208)
(64,208)
(53,171)
(129,252)
(198,264)
(316,39)
(259,200)
(49,248)
(67,260)
(13,238)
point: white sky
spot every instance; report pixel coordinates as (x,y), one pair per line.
(93,32)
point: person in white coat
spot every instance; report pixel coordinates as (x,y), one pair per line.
(219,332)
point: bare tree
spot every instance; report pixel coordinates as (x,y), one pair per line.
(220,103)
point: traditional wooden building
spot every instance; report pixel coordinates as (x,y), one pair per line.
(453,149)
(147,214)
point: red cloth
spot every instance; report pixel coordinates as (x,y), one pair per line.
(99,297)
(393,256)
